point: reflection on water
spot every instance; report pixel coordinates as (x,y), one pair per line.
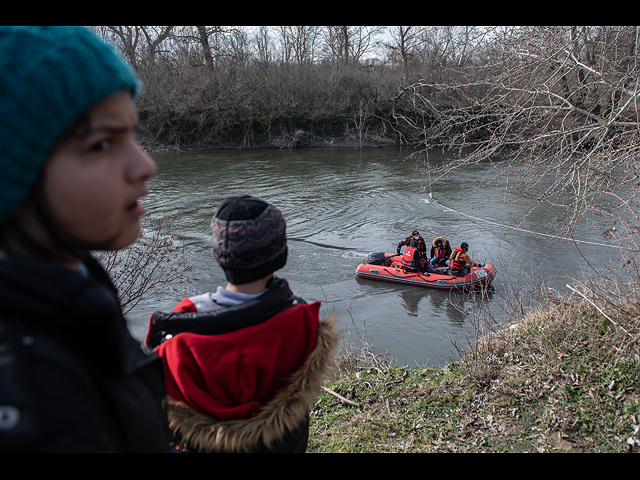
(341,204)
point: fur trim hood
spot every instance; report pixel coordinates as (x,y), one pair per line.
(439,239)
(284,413)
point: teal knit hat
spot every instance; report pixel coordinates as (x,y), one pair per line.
(48,77)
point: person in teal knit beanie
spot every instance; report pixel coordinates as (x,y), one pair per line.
(72,378)
(50,75)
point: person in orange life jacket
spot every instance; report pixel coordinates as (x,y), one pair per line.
(243,363)
(440,252)
(414,258)
(459,261)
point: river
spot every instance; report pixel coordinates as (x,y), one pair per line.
(342,203)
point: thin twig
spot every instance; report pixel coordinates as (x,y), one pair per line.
(605,315)
(340,397)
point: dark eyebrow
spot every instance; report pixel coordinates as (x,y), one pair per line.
(81,128)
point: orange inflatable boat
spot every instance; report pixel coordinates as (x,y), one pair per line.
(390,270)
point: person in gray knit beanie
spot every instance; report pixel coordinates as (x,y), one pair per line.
(250,245)
(249,239)
(244,364)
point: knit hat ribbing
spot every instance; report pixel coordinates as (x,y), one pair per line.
(48,77)
(249,238)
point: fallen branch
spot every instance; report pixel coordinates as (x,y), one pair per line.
(340,397)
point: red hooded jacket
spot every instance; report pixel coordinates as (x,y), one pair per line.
(217,364)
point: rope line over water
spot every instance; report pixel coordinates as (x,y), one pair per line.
(432,200)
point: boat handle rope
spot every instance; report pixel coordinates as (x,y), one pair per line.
(419,275)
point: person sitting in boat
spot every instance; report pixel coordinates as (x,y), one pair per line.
(440,252)
(414,261)
(414,258)
(459,261)
(243,364)
(416,241)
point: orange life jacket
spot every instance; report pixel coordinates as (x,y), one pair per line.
(457,263)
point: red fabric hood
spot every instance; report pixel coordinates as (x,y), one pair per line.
(231,375)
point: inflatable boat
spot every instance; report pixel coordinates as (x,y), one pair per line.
(389,269)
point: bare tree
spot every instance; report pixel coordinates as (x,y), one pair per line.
(213,42)
(349,44)
(153,263)
(203,36)
(127,39)
(560,107)
(403,44)
(264,46)
(298,43)
(154,36)
(135,50)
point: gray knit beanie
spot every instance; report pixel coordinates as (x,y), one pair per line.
(249,238)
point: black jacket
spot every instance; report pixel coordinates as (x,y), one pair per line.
(72,379)
(418,244)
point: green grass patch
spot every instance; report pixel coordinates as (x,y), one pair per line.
(561,381)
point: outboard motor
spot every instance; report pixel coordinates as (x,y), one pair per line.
(377,258)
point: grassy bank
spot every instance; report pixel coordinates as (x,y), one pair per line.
(565,378)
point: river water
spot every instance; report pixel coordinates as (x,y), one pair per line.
(341,204)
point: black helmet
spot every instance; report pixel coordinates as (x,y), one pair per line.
(415,233)
(464,246)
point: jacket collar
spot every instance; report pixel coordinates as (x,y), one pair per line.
(277,298)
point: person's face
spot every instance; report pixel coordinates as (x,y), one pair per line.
(93,183)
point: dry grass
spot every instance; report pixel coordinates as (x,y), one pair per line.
(564,378)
